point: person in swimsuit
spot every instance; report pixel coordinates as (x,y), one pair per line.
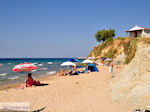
(30,81)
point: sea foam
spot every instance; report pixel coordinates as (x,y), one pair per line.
(43,68)
(49,62)
(3,74)
(35,63)
(33,70)
(51,72)
(16,77)
(40,64)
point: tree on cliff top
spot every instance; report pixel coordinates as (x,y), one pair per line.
(103,35)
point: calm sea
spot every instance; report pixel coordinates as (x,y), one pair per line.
(47,66)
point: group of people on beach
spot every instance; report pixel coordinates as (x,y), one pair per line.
(63,72)
(76,71)
(31,82)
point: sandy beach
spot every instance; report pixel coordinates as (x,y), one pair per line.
(83,93)
(51,50)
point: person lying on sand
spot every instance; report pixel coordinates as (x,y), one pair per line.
(73,73)
(69,73)
(30,82)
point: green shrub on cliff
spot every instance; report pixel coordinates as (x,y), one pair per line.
(130,49)
(128,44)
(107,42)
(97,50)
(111,53)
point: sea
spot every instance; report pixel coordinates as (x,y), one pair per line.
(47,67)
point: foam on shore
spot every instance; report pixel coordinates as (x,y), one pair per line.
(3,74)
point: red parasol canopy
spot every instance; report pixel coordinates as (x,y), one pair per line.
(24,67)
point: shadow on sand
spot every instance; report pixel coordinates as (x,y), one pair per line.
(43,85)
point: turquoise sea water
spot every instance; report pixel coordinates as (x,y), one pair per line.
(47,66)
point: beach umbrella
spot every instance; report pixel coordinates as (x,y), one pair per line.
(68,63)
(91,58)
(73,60)
(24,67)
(103,58)
(87,61)
(107,59)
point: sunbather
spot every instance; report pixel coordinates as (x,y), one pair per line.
(30,81)
(62,73)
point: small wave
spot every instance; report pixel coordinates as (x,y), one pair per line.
(52,72)
(16,77)
(9,63)
(35,63)
(43,68)
(3,74)
(49,62)
(33,70)
(40,64)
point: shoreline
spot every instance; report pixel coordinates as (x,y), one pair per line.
(39,78)
(16,84)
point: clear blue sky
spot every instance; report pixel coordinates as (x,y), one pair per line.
(64,28)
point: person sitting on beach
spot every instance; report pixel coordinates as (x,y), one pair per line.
(30,81)
(62,73)
(69,73)
(72,73)
(74,68)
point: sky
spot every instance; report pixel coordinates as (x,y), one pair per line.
(64,28)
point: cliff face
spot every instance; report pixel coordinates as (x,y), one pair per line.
(121,50)
(133,83)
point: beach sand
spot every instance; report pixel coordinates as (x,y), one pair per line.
(83,93)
